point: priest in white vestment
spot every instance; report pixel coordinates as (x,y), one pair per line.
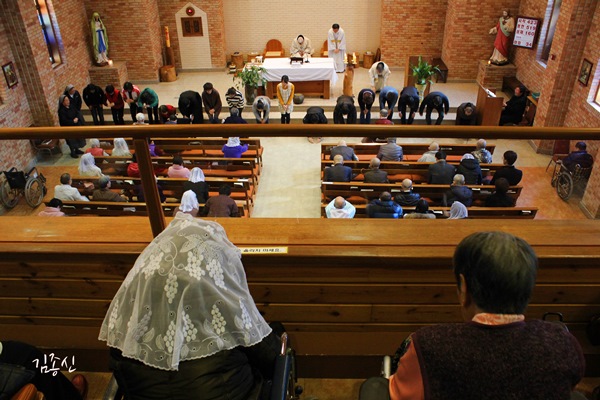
(301,47)
(336,46)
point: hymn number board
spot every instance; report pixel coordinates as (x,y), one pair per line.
(526,32)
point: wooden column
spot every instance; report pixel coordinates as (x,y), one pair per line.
(155,211)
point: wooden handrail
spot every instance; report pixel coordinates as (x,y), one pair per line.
(155,211)
(276,130)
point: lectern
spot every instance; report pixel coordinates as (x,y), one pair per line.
(489,107)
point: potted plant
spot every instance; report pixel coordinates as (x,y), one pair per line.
(423,72)
(251,77)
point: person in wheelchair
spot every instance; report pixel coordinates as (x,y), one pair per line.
(183,324)
(579,156)
(495,353)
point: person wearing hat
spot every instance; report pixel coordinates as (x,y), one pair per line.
(233,148)
(379,74)
(103,193)
(469,167)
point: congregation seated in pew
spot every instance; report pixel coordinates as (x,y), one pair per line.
(421,211)
(429,155)
(52,209)
(384,207)
(390,151)
(177,170)
(469,167)
(509,172)
(65,192)
(441,172)
(222,205)
(374,174)
(196,183)
(458,192)
(407,197)
(189,204)
(103,193)
(338,172)
(340,208)
(500,197)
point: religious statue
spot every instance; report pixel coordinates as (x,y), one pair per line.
(99,40)
(503,31)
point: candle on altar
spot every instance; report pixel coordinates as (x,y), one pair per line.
(345,58)
(167,38)
(110,63)
(354,58)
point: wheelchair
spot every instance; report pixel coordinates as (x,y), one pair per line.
(18,183)
(566,181)
(282,387)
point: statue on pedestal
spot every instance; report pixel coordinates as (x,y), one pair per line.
(99,40)
(503,31)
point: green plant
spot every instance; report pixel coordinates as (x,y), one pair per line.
(250,77)
(423,71)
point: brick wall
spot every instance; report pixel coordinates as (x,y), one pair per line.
(410,28)
(472,39)
(249,24)
(134,34)
(216,27)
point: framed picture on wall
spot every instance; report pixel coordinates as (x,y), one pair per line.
(585,72)
(526,31)
(10,75)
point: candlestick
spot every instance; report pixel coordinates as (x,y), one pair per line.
(167,38)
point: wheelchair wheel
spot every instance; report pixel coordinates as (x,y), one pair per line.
(9,197)
(564,186)
(34,192)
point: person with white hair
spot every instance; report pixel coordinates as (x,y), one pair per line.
(120,148)
(407,197)
(469,167)
(196,183)
(383,118)
(140,119)
(340,208)
(234,117)
(458,211)
(189,204)
(429,155)
(481,154)
(342,149)
(183,324)
(95,149)
(87,166)
(390,151)
(103,193)
(458,192)
(234,148)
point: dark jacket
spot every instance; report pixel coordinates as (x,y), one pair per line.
(428,102)
(312,112)
(221,206)
(376,176)
(76,101)
(471,171)
(514,110)
(390,152)
(67,115)
(408,93)
(441,173)
(459,193)
(462,118)
(384,209)
(510,173)
(94,96)
(190,103)
(337,173)
(361,102)
(338,116)
(344,151)
(499,200)
(408,199)
(582,158)
(212,100)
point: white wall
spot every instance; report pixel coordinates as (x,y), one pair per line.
(249,24)
(195,50)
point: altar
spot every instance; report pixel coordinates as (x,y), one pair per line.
(311,79)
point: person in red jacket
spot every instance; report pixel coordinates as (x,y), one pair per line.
(116,104)
(165,111)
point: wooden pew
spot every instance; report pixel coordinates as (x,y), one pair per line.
(400,170)
(241,168)
(474,212)
(204,147)
(241,189)
(357,192)
(345,299)
(412,151)
(127,209)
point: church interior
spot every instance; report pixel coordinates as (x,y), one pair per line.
(347,291)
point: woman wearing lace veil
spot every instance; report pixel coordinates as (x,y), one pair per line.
(183,324)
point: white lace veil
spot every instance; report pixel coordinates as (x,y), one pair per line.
(120,148)
(233,142)
(189,201)
(87,166)
(185,298)
(458,211)
(197,175)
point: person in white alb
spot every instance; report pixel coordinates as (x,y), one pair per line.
(336,46)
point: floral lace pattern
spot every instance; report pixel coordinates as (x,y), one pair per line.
(185,298)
